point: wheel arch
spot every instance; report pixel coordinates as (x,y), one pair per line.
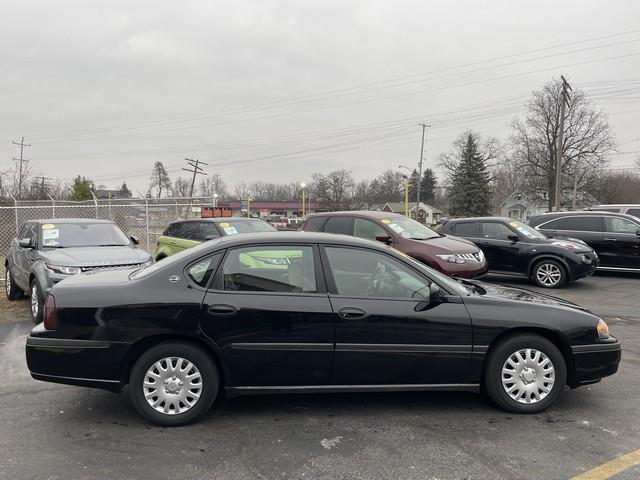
(555,337)
(139,347)
(548,256)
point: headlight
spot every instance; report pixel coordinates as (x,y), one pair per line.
(603,329)
(451,258)
(63,269)
(586,259)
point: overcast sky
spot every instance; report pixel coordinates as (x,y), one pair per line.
(277,90)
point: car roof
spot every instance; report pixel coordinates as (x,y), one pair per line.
(577,213)
(69,220)
(357,213)
(479,219)
(295,237)
(218,219)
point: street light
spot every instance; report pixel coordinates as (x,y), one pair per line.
(215,200)
(406,190)
(303,185)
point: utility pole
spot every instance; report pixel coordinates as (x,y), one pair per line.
(41,184)
(564,102)
(22,161)
(196,170)
(424,128)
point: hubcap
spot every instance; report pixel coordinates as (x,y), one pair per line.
(548,274)
(7,282)
(172,385)
(34,301)
(528,376)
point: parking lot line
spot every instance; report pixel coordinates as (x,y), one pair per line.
(611,468)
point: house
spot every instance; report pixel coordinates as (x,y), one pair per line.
(522,206)
(104,193)
(426,213)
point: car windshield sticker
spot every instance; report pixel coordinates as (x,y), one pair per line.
(50,237)
(396,228)
(48,226)
(230,230)
(385,221)
(224,225)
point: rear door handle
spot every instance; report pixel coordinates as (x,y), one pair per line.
(352,313)
(222,309)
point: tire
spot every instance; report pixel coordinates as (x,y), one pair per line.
(13,291)
(549,366)
(549,273)
(173,396)
(36,301)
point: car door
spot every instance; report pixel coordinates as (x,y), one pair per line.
(624,234)
(387,332)
(503,254)
(590,229)
(269,312)
(23,256)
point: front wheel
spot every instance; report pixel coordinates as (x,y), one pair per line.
(173,384)
(549,274)
(12,289)
(525,374)
(37,302)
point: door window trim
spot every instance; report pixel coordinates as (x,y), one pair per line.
(332,289)
(216,285)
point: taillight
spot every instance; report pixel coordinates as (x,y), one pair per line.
(50,314)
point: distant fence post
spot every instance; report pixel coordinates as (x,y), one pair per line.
(95,202)
(53,206)
(146,216)
(15,208)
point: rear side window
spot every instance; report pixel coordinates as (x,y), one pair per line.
(315,224)
(584,224)
(634,211)
(466,229)
(201,271)
(173,230)
(339,224)
(206,229)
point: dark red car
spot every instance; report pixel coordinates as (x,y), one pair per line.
(450,255)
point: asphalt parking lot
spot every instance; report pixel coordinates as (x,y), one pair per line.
(61,432)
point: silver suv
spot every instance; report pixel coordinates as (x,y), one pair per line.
(48,251)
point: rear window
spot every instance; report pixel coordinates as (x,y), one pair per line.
(342,225)
(315,224)
(466,229)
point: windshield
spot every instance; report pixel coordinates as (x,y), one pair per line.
(66,235)
(447,282)
(408,228)
(231,227)
(526,230)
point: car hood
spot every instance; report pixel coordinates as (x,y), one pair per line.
(96,256)
(523,295)
(579,245)
(449,244)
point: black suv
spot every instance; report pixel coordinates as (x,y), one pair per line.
(514,248)
(614,236)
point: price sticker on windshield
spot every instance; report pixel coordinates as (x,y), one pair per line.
(48,226)
(224,225)
(385,221)
(230,230)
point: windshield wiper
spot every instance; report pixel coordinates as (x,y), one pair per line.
(472,286)
(111,245)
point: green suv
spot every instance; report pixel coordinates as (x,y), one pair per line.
(185,234)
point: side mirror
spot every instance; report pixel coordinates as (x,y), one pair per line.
(211,237)
(25,243)
(384,239)
(638,233)
(435,292)
(134,240)
(513,238)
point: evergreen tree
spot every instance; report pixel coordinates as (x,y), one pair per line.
(428,186)
(82,189)
(470,192)
(413,183)
(124,190)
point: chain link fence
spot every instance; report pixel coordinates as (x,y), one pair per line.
(146,218)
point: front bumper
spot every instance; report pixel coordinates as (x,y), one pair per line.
(88,363)
(594,362)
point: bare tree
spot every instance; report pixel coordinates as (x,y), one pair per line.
(159,179)
(211,185)
(587,141)
(334,189)
(181,187)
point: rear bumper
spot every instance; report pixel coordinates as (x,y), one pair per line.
(594,362)
(88,363)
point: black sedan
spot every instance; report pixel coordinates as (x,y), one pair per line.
(309,313)
(514,248)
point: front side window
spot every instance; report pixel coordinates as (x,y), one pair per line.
(65,235)
(496,231)
(584,224)
(368,229)
(620,225)
(270,269)
(366,273)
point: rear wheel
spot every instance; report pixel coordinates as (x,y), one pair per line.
(549,274)
(37,302)
(11,288)
(525,374)
(173,384)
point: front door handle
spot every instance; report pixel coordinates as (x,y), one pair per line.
(222,309)
(611,239)
(352,313)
